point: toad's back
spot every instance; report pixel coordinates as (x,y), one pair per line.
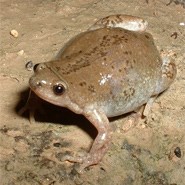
(112,68)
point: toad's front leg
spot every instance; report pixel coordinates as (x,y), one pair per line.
(101,142)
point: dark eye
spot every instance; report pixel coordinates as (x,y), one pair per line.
(58,89)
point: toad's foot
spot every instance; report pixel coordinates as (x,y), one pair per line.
(133,119)
(148,105)
(138,114)
(32,104)
(101,143)
(127,22)
(28,107)
(90,159)
(31,113)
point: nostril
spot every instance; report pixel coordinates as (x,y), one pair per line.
(38,67)
(35,66)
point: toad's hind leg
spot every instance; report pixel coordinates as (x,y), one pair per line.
(168,75)
(127,22)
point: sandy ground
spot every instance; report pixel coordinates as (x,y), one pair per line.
(151,153)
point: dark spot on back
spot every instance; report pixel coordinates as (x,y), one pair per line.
(126,40)
(147,36)
(127,62)
(57,68)
(82,84)
(91,88)
(68,57)
(105,37)
(103,54)
(128,93)
(112,22)
(128,52)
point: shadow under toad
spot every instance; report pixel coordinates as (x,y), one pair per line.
(48,113)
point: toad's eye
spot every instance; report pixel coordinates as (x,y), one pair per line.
(58,89)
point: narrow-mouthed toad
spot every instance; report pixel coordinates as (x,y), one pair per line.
(109,70)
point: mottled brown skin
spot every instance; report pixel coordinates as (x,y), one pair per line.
(103,73)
